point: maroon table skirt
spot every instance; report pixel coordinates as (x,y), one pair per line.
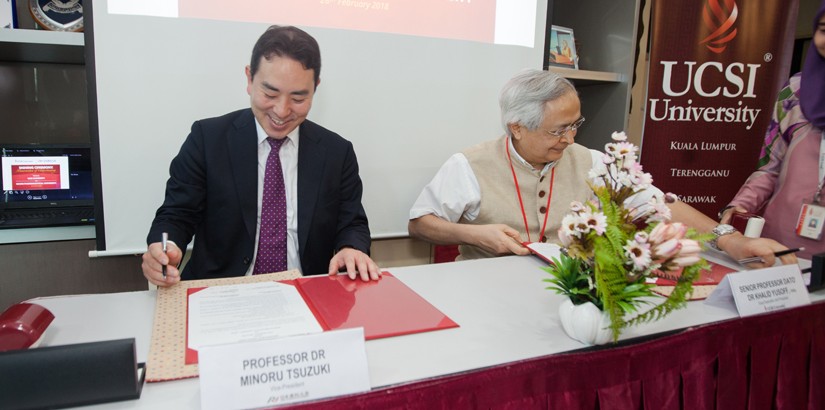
(769,361)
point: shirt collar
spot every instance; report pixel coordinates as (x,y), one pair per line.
(292,137)
(522,161)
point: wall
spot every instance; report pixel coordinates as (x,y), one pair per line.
(58,268)
(64,268)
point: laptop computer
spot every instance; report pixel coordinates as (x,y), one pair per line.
(46,185)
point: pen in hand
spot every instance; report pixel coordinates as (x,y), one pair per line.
(759,258)
(163,240)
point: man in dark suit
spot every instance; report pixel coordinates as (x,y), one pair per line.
(216,189)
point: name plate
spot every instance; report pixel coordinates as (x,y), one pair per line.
(281,371)
(761,291)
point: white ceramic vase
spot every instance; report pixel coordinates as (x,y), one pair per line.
(585,322)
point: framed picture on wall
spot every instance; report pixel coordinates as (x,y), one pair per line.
(562,52)
(8,14)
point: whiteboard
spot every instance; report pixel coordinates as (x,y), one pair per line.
(405,102)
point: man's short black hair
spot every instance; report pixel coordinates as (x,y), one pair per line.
(287,41)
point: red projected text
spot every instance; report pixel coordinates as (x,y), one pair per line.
(25,177)
(35,173)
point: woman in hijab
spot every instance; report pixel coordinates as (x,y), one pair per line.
(787,189)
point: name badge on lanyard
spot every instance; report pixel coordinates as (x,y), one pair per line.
(812,215)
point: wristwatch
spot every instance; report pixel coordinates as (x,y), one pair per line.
(722,211)
(719,231)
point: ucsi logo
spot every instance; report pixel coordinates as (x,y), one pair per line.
(720,19)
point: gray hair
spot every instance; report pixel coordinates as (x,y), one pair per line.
(523,98)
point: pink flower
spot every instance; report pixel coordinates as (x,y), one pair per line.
(667,249)
(687,260)
(689,247)
(564,238)
(664,231)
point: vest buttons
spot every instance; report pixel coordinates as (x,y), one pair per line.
(542,194)
(246,261)
(544,239)
(543,209)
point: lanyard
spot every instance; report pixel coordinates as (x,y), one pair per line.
(518,192)
(821,169)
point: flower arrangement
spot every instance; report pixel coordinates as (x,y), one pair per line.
(612,247)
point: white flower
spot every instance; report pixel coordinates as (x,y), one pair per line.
(619,136)
(597,222)
(627,150)
(639,254)
(608,159)
(611,148)
(577,206)
(658,209)
(581,225)
(624,179)
(596,174)
(568,226)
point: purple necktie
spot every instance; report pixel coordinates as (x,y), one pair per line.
(272,241)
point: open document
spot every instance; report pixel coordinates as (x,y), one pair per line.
(246,312)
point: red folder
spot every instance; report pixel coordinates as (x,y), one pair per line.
(702,287)
(711,277)
(384,308)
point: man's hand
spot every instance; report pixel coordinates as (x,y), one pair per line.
(153,261)
(498,239)
(356,262)
(739,247)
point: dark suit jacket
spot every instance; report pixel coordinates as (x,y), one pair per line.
(212,194)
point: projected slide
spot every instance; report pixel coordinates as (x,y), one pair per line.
(489,21)
(25,173)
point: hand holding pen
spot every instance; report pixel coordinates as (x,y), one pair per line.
(160,262)
(759,259)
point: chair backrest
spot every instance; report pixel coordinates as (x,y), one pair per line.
(444,253)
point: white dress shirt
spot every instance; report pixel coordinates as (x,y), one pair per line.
(454,191)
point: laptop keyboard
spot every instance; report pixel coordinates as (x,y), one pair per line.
(20,218)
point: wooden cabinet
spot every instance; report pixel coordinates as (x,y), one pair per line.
(606,42)
(41,46)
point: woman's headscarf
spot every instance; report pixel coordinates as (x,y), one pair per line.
(812,87)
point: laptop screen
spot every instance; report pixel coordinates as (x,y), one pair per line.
(46,176)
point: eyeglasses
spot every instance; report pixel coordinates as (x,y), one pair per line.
(563,131)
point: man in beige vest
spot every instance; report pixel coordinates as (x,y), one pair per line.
(495,196)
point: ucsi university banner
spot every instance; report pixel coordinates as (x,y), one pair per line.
(715,69)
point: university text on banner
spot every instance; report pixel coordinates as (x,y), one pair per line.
(715,69)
